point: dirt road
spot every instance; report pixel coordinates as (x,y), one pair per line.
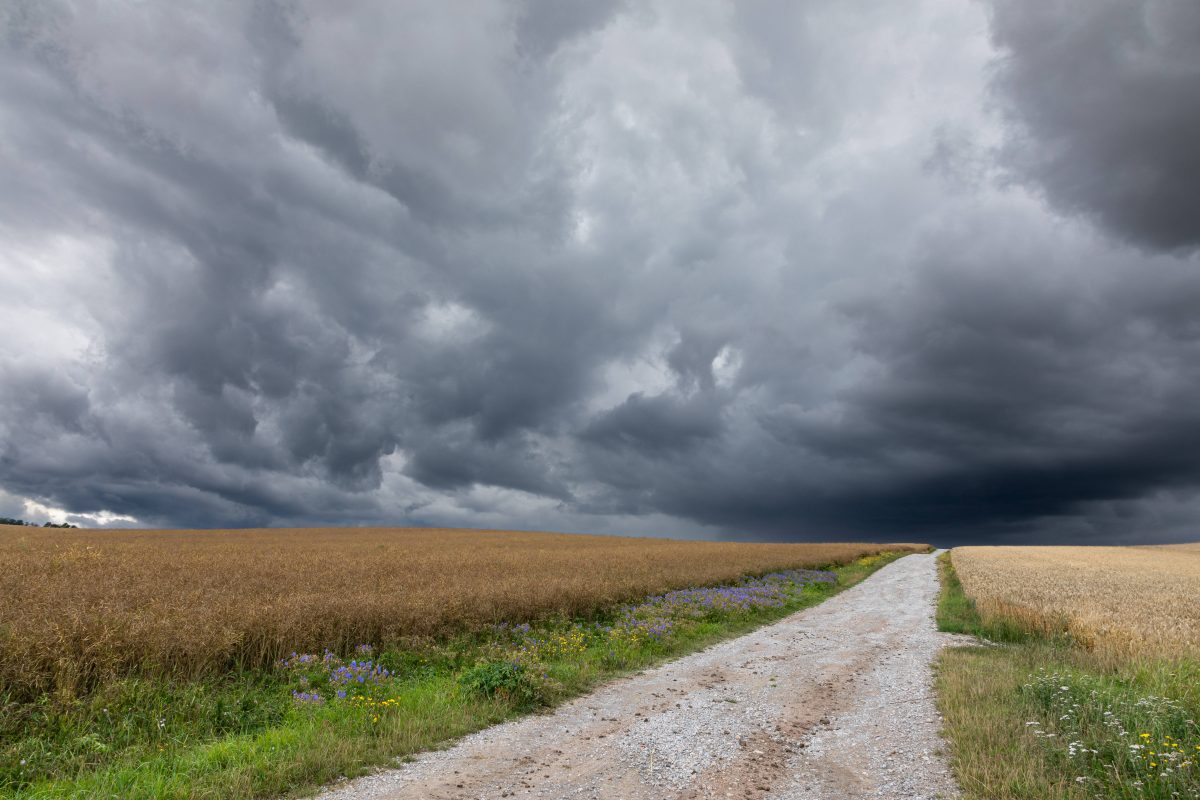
(832,702)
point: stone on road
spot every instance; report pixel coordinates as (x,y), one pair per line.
(832,702)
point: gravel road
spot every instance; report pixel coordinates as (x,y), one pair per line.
(831,702)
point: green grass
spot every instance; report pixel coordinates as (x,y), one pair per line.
(244,736)
(1038,716)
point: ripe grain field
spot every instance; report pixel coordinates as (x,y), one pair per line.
(1124,600)
(81,607)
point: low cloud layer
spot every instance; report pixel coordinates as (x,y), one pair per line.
(757,270)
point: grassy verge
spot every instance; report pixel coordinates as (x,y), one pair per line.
(317,717)
(1037,716)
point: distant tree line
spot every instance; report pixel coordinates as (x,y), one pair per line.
(11,521)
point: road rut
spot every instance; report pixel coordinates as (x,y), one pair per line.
(831,702)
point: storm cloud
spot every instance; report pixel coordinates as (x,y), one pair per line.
(868,269)
(1107,97)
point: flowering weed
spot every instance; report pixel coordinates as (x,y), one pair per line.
(1119,742)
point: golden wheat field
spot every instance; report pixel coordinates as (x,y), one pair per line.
(82,606)
(1129,600)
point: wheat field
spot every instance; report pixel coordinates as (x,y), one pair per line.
(77,607)
(1127,600)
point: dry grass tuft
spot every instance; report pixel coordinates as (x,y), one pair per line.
(1127,601)
(78,607)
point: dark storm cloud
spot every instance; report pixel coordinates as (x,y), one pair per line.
(1007,398)
(1108,98)
(656,424)
(746,270)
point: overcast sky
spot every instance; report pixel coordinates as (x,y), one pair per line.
(881,269)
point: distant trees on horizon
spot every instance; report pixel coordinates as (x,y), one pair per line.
(11,521)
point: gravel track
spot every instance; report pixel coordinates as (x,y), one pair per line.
(831,702)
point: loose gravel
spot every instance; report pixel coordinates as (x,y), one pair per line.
(832,702)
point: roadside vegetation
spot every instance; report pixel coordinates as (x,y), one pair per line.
(134,726)
(1083,690)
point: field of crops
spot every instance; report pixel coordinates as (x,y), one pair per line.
(78,607)
(1130,601)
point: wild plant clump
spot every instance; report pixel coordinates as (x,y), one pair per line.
(521,681)
(329,676)
(361,683)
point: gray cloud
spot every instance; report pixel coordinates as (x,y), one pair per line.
(1107,97)
(740,270)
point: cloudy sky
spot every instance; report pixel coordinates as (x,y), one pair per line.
(890,269)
